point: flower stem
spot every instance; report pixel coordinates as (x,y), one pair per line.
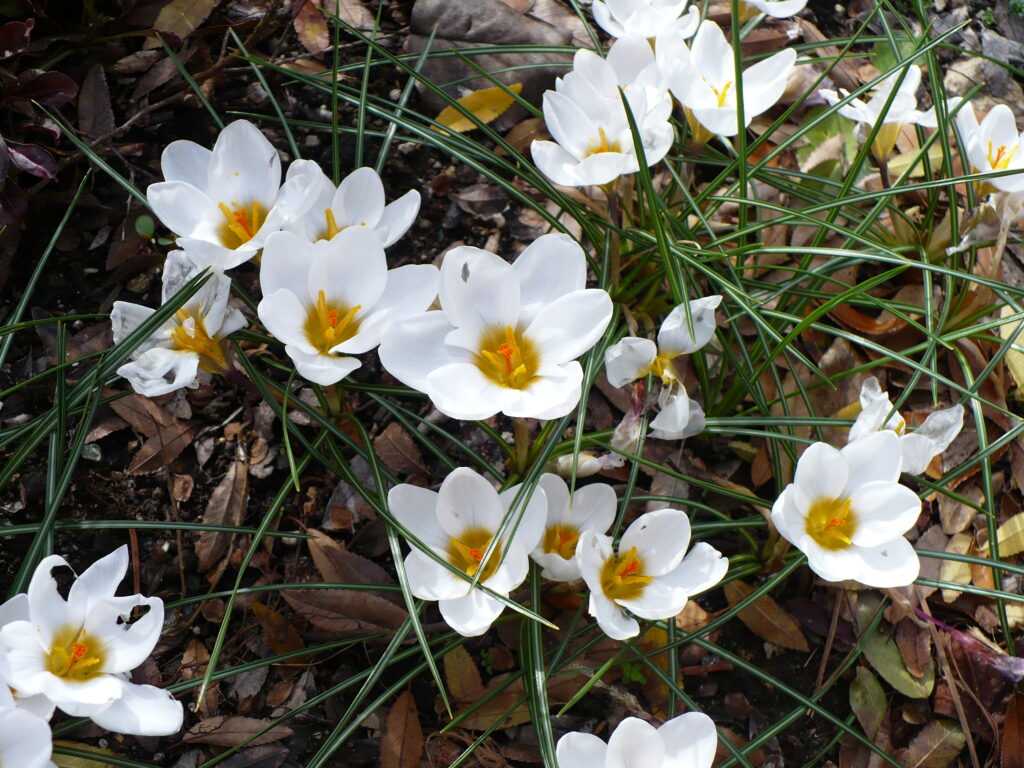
(521,431)
(333,395)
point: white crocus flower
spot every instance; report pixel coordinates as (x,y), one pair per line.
(994,145)
(327,301)
(645,18)
(593,143)
(687,741)
(777,9)
(633,358)
(919,447)
(357,202)
(703,78)
(459,522)
(506,337)
(78,652)
(650,575)
(229,197)
(901,111)
(190,340)
(16,609)
(846,511)
(591,507)
(25,739)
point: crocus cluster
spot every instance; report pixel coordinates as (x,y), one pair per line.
(470,547)
(75,654)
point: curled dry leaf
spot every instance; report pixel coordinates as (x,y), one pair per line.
(345,611)
(230,731)
(766,618)
(337,564)
(226,507)
(401,744)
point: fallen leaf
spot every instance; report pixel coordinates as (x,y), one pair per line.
(766,618)
(915,646)
(1014,359)
(956,570)
(336,564)
(143,414)
(225,507)
(401,743)
(883,654)
(230,731)
(345,611)
(462,676)
(485,105)
(95,114)
(1011,536)
(868,702)
(266,756)
(311,27)
(281,636)
(181,18)
(1011,746)
(163,448)
(396,449)
(936,746)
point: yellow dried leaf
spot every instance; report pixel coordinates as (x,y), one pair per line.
(486,105)
(1014,359)
(955,570)
(1011,536)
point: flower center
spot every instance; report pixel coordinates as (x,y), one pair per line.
(622,577)
(190,335)
(240,224)
(508,358)
(722,93)
(1002,158)
(561,540)
(600,145)
(467,553)
(328,324)
(332,226)
(663,367)
(831,523)
(75,655)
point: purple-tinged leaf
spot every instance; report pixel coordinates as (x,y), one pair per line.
(50,89)
(32,159)
(15,37)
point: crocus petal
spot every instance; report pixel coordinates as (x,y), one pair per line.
(554,567)
(16,609)
(533,516)
(478,290)
(831,565)
(628,360)
(893,564)
(765,82)
(319,368)
(49,611)
(712,55)
(159,371)
(556,492)
(660,537)
(634,743)
(285,315)
(125,317)
(884,511)
(206,254)
(512,570)
(570,325)
(877,456)
(575,749)
(429,580)
(701,569)
(659,600)
(409,290)
(786,516)
(593,507)
(822,472)
(471,615)
(142,710)
(465,500)
(244,167)
(285,264)
(350,269)
(126,645)
(82,698)
(461,391)
(675,338)
(552,394)
(186,161)
(25,739)
(414,508)
(690,739)
(24,653)
(611,618)
(359,200)
(557,164)
(397,217)
(184,209)
(100,580)
(931,438)
(679,417)
(551,266)
(778,9)
(412,349)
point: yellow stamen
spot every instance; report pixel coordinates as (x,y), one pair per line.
(328,324)
(561,540)
(722,94)
(1003,156)
(191,335)
(240,224)
(467,553)
(332,225)
(663,367)
(507,358)
(622,578)
(602,145)
(75,655)
(831,523)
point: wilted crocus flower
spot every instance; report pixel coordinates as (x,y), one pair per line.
(994,145)
(357,202)
(846,511)
(777,9)
(331,300)
(192,339)
(902,110)
(587,119)
(633,358)
(78,652)
(230,197)
(645,18)
(459,522)
(686,741)
(506,337)
(591,507)
(919,447)
(703,78)
(649,575)
(25,739)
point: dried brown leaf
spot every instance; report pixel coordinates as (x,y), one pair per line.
(230,731)
(401,744)
(225,507)
(311,27)
(345,611)
(281,636)
(397,450)
(337,564)
(95,115)
(146,416)
(936,746)
(915,646)
(766,618)
(462,676)
(181,18)
(163,447)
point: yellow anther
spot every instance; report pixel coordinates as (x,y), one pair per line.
(240,224)
(75,655)
(327,324)
(1002,158)
(831,523)
(467,553)
(332,224)
(622,578)
(191,335)
(507,358)
(561,540)
(722,94)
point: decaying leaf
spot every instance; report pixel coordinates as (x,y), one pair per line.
(915,646)
(337,565)
(867,700)
(398,451)
(884,655)
(345,611)
(311,26)
(956,570)
(1014,359)
(181,18)
(1011,536)
(401,744)
(226,507)
(281,636)
(766,618)
(936,746)
(462,676)
(230,731)
(486,105)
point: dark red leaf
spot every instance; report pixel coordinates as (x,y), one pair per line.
(50,89)
(14,37)
(32,159)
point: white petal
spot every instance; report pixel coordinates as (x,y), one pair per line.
(691,739)
(931,438)
(765,82)
(883,512)
(24,656)
(555,567)
(429,580)
(126,645)
(350,268)
(409,290)
(412,349)
(82,698)
(712,56)
(558,164)
(49,611)
(611,618)
(779,9)
(125,317)
(207,254)
(100,580)
(285,264)
(593,507)
(634,744)
(659,600)
(185,161)
(397,217)
(16,609)
(319,368)
(676,413)
(821,472)
(25,740)
(553,393)
(701,569)
(478,290)
(605,167)
(550,267)
(512,570)
(674,337)
(415,508)
(461,391)
(533,516)
(660,537)
(628,360)
(466,500)
(893,564)
(570,325)
(244,167)
(874,457)
(575,749)
(284,314)
(159,371)
(556,493)
(837,565)
(142,710)
(592,551)
(185,210)
(471,615)
(359,200)
(787,518)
